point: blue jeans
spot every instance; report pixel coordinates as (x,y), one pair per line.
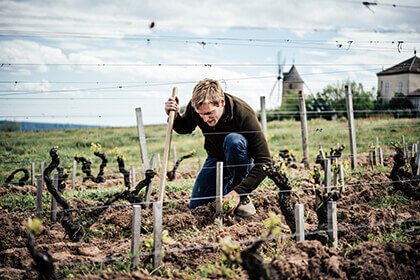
(237,165)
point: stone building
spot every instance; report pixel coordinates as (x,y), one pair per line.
(401,78)
(292,81)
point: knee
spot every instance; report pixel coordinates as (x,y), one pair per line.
(235,141)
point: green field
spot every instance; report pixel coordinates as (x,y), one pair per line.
(19,149)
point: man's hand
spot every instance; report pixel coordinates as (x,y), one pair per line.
(231,201)
(172,105)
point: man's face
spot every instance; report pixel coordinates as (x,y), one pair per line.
(210,113)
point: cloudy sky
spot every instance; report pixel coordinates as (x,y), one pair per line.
(94,62)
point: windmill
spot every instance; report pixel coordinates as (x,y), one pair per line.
(279,81)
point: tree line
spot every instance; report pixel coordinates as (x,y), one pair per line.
(330,103)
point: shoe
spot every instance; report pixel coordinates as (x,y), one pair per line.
(245,207)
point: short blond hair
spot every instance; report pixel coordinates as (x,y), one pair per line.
(207,91)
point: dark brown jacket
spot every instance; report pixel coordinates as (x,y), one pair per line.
(240,118)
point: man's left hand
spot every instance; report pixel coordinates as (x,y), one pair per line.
(232,199)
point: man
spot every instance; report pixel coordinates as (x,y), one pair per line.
(232,135)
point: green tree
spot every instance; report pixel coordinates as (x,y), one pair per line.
(9,126)
(401,103)
(332,101)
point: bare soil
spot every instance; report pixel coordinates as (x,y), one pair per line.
(355,257)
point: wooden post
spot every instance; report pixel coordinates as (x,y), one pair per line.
(135,235)
(321,152)
(39,187)
(42,171)
(142,137)
(73,179)
(379,153)
(332,223)
(413,150)
(53,201)
(133,176)
(352,130)
(407,154)
(219,193)
(157,234)
(341,176)
(370,156)
(33,173)
(403,146)
(263,116)
(153,162)
(381,158)
(166,150)
(304,129)
(336,177)
(174,154)
(299,219)
(327,175)
(418,159)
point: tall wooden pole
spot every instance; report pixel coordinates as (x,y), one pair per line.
(352,131)
(167,150)
(304,129)
(142,138)
(263,116)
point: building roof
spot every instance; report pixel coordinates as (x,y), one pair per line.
(411,65)
(292,76)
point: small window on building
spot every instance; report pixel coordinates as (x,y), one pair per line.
(400,87)
(387,88)
(291,86)
(382,86)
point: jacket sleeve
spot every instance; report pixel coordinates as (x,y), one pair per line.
(257,149)
(184,123)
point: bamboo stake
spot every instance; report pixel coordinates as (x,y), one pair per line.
(167,150)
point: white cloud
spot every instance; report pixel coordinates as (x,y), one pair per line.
(82,36)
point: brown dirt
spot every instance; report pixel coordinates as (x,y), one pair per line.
(111,235)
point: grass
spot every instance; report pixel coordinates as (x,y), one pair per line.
(386,235)
(389,201)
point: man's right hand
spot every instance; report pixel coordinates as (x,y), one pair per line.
(172,105)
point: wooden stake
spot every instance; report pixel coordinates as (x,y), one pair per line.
(133,176)
(142,137)
(73,179)
(174,153)
(381,158)
(39,187)
(304,129)
(299,219)
(135,237)
(341,176)
(321,151)
(352,130)
(332,223)
(167,150)
(53,201)
(219,193)
(33,173)
(153,163)
(157,234)
(263,116)
(327,176)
